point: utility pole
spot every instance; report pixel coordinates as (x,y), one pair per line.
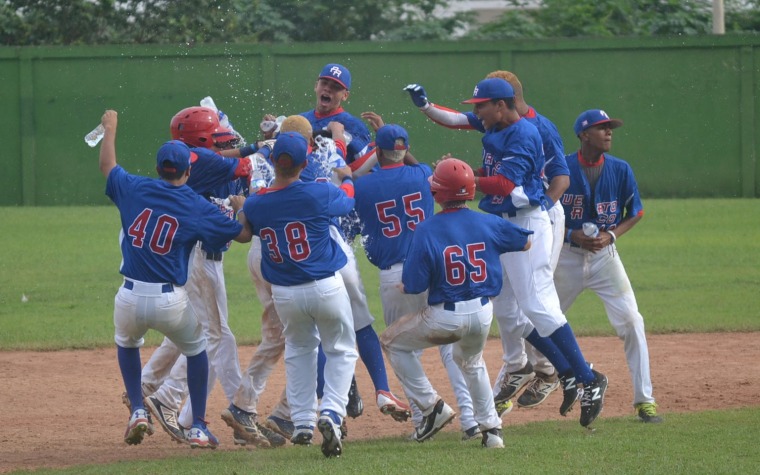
(719,23)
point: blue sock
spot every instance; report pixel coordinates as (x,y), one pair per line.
(565,340)
(547,347)
(131,367)
(321,360)
(372,356)
(197,385)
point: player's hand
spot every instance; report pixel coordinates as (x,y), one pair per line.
(236,202)
(443,157)
(418,95)
(110,119)
(336,129)
(374,119)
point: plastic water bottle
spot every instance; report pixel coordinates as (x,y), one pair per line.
(256,185)
(209,102)
(590,229)
(272,125)
(95,135)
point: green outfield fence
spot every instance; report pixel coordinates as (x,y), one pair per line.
(690,105)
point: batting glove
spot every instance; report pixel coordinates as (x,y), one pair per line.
(418,95)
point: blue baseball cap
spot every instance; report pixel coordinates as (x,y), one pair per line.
(292,144)
(491,88)
(338,73)
(594,117)
(175,156)
(387,136)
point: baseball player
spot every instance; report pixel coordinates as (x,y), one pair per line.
(161,222)
(391,202)
(332,88)
(603,191)
(454,255)
(510,180)
(214,177)
(320,164)
(520,362)
(301,261)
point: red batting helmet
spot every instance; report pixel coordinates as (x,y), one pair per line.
(453,180)
(199,127)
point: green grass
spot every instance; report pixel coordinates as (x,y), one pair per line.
(695,266)
(716,442)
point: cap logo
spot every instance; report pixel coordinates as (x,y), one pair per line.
(584,123)
(335,71)
(475,92)
(604,114)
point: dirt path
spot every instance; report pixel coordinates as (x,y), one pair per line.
(64,408)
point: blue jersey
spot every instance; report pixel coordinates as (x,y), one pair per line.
(293,224)
(615,197)
(360,136)
(554,149)
(209,171)
(212,175)
(455,255)
(391,203)
(161,223)
(516,153)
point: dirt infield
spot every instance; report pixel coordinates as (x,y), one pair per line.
(64,408)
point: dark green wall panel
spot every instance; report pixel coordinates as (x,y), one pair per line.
(690,105)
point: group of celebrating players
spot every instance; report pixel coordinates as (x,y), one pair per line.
(300,196)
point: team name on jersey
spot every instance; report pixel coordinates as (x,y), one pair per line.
(606,211)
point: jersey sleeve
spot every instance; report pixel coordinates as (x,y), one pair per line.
(417,266)
(118,184)
(215,228)
(339,204)
(631,200)
(454,119)
(510,237)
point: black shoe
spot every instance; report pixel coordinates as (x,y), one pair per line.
(167,418)
(331,444)
(275,439)
(442,414)
(493,439)
(355,406)
(343,429)
(245,424)
(513,383)
(592,399)
(570,393)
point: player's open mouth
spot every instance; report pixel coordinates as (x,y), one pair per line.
(325,99)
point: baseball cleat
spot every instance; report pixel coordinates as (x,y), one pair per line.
(167,418)
(137,427)
(538,390)
(355,406)
(470,433)
(513,383)
(570,393)
(200,437)
(392,406)
(647,412)
(282,426)
(592,399)
(504,407)
(493,439)
(245,424)
(441,415)
(330,429)
(302,435)
(125,400)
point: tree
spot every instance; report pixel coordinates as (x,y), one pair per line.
(609,18)
(72,22)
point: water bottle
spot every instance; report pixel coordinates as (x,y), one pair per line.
(590,229)
(272,125)
(209,102)
(256,185)
(95,135)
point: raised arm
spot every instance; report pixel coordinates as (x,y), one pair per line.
(107,159)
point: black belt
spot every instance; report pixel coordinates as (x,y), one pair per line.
(450,306)
(214,256)
(165,288)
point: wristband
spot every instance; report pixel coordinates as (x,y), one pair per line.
(346,178)
(567,236)
(614,238)
(247,150)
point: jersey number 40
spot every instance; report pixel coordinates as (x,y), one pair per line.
(161,236)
